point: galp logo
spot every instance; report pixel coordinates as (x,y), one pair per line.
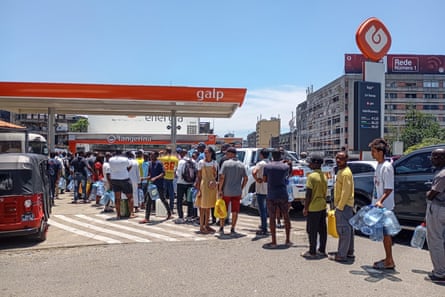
(373,39)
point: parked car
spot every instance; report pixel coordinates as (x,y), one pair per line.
(298,184)
(413,175)
(249,157)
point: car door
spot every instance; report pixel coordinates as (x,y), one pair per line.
(413,178)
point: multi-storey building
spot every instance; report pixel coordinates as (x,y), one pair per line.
(266,130)
(325,121)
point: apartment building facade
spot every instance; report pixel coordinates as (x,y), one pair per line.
(325,122)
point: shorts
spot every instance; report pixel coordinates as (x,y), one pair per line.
(274,204)
(234,200)
(122,185)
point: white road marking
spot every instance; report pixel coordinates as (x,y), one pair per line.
(89,226)
(83,233)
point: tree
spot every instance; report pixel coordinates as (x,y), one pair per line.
(418,127)
(80,126)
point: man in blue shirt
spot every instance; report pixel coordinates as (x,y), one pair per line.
(275,175)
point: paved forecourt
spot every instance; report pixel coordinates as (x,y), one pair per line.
(85,224)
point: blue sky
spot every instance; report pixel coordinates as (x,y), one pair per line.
(275,49)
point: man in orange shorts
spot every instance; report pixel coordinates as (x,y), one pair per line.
(232,180)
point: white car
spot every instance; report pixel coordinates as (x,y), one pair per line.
(298,183)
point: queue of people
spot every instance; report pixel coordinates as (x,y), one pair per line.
(200,180)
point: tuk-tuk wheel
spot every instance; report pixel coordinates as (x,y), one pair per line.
(43,230)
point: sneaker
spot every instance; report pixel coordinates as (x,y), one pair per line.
(322,254)
(179,221)
(261,233)
(221,231)
(308,255)
(434,278)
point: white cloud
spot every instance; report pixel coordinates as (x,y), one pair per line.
(279,102)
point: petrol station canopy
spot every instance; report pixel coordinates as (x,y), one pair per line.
(131,100)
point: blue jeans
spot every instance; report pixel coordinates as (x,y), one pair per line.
(170,192)
(82,180)
(262,208)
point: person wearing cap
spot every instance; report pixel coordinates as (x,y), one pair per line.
(232,180)
(315,208)
(170,163)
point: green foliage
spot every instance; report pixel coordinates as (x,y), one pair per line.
(80,126)
(423,143)
(419,126)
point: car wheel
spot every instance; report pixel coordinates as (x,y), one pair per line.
(297,205)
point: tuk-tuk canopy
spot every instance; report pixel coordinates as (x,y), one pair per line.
(22,174)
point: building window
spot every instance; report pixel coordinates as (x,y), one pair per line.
(430,96)
(430,107)
(431,84)
(410,95)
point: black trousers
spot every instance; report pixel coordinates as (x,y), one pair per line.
(148,202)
(316,225)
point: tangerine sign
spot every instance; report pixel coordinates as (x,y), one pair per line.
(373,39)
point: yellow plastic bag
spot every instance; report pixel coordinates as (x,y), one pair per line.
(332,226)
(220,209)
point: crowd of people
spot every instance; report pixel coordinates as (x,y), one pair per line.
(196,179)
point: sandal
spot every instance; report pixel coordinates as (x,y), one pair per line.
(203,231)
(270,246)
(380,265)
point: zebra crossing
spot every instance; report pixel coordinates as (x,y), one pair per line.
(102,228)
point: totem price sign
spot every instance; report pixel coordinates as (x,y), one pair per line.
(367,113)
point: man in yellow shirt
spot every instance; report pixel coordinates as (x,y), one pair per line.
(315,208)
(344,203)
(170,163)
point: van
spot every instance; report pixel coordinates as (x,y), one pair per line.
(16,142)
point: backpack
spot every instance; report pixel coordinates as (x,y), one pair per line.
(189,172)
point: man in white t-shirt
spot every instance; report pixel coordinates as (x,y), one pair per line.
(120,181)
(383,195)
(261,190)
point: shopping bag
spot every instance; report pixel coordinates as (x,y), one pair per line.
(332,226)
(220,210)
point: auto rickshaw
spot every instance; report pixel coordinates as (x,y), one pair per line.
(24,195)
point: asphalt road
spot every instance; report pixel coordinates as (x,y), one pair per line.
(69,264)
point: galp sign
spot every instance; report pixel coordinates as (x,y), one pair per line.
(209,94)
(373,39)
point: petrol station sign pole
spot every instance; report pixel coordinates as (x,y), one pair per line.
(374,40)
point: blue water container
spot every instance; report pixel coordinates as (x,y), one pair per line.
(419,236)
(372,216)
(357,220)
(377,232)
(153,191)
(390,222)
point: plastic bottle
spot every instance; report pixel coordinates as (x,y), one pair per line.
(153,191)
(357,220)
(377,232)
(373,216)
(390,222)
(419,235)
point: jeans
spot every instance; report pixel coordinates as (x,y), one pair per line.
(80,179)
(316,225)
(182,194)
(170,192)
(262,208)
(52,187)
